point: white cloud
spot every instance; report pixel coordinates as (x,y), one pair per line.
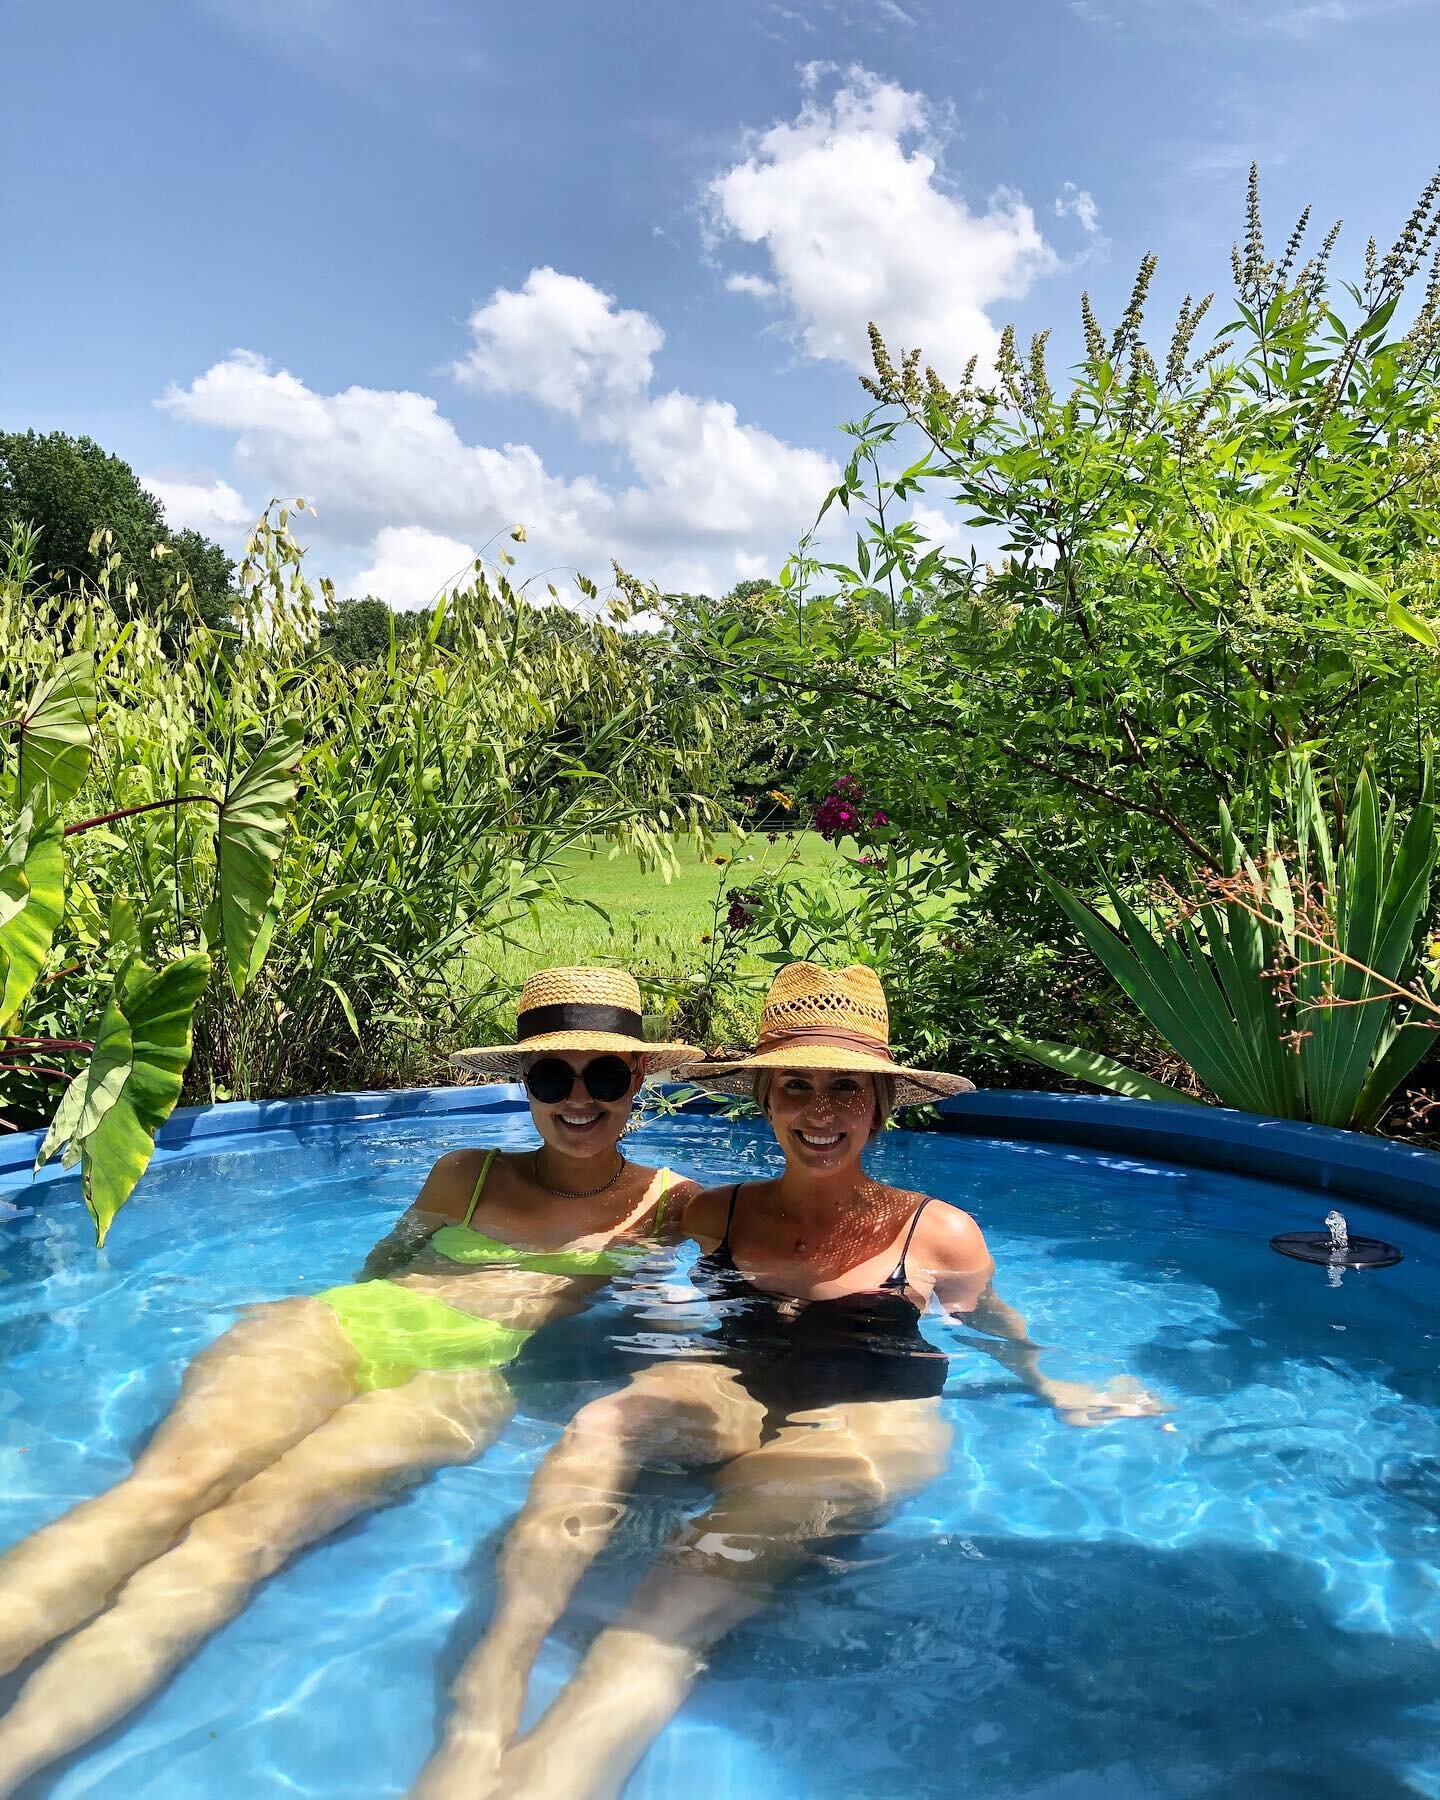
(208,507)
(368,457)
(755,285)
(1079,204)
(561,340)
(700,465)
(412,566)
(399,491)
(851,204)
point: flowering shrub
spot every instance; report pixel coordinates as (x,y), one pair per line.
(1212,555)
(839,812)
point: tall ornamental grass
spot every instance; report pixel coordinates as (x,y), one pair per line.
(305,855)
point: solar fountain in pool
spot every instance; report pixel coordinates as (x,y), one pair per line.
(1239,1598)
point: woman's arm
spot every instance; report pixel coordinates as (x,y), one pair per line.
(441,1201)
(705,1216)
(675,1202)
(963,1268)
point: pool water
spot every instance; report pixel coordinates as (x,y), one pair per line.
(1240,1599)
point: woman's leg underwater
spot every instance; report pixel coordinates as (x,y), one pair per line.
(686,1412)
(382,1441)
(269,1380)
(808,1484)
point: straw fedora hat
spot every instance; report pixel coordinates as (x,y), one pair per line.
(575,1009)
(817,1018)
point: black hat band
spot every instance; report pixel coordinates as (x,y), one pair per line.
(578,1015)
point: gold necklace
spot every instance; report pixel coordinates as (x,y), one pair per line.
(572,1193)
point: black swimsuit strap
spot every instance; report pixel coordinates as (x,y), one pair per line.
(898,1278)
(723,1248)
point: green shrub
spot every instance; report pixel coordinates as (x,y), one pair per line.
(333,840)
(1211,557)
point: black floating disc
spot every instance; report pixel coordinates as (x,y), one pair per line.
(1318,1247)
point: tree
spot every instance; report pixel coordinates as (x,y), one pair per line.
(360,631)
(1209,564)
(69,488)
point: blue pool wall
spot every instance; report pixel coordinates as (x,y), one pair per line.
(1400,1177)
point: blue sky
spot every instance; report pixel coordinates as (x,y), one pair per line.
(604,269)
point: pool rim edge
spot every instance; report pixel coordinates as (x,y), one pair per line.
(1395,1177)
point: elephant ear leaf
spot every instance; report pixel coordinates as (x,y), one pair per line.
(54,733)
(108,1116)
(31,901)
(251,829)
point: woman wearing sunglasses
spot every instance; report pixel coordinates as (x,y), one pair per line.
(815,1396)
(309,1411)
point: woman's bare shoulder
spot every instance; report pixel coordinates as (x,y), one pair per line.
(680,1190)
(705,1214)
(451,1182)
(948,1238)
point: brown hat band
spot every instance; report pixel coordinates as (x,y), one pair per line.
(823,1035)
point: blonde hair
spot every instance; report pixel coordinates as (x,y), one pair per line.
(886,1088)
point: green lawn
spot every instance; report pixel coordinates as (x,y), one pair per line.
(648,924)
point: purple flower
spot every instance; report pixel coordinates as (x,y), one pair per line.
(879,818)
(867,862)
(741,915)
(838,812)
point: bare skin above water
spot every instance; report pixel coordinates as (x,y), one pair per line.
(271,1445)
(822,1231)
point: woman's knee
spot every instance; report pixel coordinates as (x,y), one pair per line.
(631,1415)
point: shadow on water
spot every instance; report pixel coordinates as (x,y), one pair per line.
(1009,1668)
(997,1668)
(27,1260)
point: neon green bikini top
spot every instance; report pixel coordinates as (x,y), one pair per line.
(461,1244)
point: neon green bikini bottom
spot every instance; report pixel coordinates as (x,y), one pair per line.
(396,1332)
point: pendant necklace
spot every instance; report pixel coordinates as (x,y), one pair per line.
(572,1193)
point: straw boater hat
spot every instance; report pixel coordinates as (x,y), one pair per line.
(817,1018)
(575,1009)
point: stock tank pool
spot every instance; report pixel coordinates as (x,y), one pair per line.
(1241,1598)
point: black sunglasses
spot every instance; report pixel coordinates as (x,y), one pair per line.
(551,1079)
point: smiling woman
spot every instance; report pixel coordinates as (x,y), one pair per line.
(815,1396)
(311,1411)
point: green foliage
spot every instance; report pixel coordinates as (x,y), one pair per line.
(1293,997)
(110,1113)
(1090,1066)
(249,833)
(52,735)
(71,490)
(362,630)
(31,902)
(1208,559)
(340,839)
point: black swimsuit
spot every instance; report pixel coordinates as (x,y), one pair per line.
(794,1354)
